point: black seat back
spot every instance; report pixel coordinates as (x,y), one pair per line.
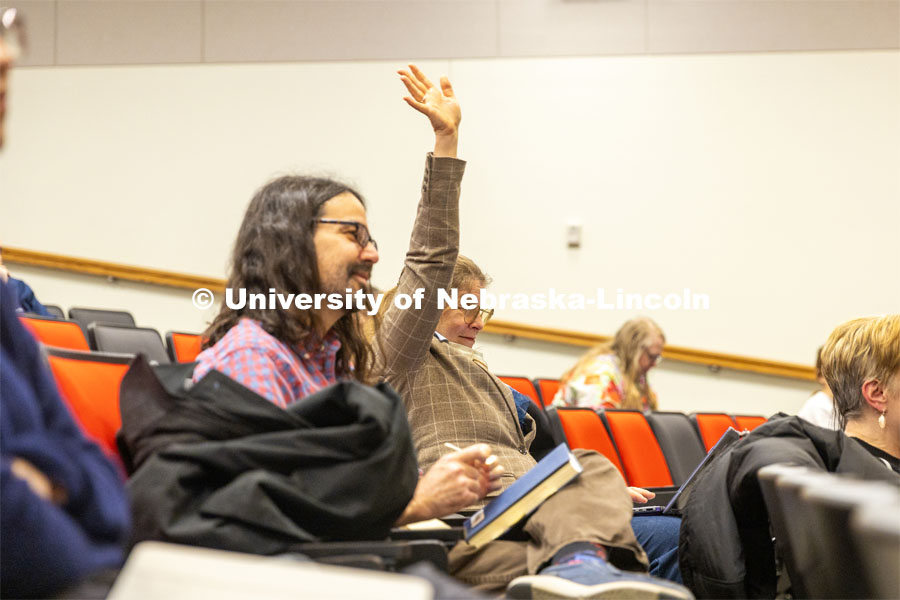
(86,316)
(679,441)
(131,340)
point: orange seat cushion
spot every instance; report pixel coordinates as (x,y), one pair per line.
(548,388)
(522,385)
(712,426)
(584,429)
(91,390)
(187,346)
(643,459)
(61,334)
(748,422)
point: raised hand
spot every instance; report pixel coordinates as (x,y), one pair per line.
(439,104)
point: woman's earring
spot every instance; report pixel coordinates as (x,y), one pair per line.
(881,420)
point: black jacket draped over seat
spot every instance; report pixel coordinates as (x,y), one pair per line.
(725,547)
(214,464)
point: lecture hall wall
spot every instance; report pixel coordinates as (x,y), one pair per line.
(746,150)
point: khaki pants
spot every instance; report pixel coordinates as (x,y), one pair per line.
(595,508)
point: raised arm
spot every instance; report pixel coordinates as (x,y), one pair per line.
(405,335)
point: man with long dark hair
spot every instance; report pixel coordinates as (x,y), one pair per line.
(306,235)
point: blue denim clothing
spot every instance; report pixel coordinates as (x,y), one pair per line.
(658,535)
(522,402)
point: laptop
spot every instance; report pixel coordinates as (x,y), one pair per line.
(673,508)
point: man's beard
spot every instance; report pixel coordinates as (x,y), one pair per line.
(352,284)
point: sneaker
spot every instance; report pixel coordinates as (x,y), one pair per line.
(588,577)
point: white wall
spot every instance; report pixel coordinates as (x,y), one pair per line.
(680,386)
(768,181)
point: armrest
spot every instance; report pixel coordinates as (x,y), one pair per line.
(448,536)
(394,554)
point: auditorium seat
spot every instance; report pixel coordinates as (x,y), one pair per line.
(583,428)
(56,332)
(89,383)
(711,426)
(128,340)
(86,316)
(827,509)
(792,559)
(680,443)
(547,389)
(748,422)
(183,347)
(522,385)
(642,458)
(875,531)
(810,511)
(55,311)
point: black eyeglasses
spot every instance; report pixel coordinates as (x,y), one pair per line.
(654,358)
(359,230)
(12,31)
(471,314)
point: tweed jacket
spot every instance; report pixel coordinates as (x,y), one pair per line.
(449,393)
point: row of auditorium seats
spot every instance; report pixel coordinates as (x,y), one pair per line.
(656,449)
(710,425)
(89,356)
(630,442)
(112,331)
(836,537)
(660,449)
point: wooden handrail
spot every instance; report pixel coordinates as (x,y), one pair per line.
(107,269)
(714,360)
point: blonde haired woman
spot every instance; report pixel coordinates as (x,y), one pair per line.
(861,363)
(614,374)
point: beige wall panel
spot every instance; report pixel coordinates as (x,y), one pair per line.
(129,32)
(336,30)
(40,22)
(554,28)
(754,25)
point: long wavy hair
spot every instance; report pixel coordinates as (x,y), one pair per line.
(275,249)
(627,346)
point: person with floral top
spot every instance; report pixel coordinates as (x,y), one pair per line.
(614,374)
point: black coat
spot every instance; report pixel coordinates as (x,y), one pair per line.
(725,549)
(217,465)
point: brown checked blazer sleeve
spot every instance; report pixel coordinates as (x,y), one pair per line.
(449,396)
(403,339)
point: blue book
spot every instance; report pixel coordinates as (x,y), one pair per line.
(556,469)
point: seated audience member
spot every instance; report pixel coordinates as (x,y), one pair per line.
(726,548)
(65,516)
(309,235)
(614,374)
(577,534)
(861,364)
(63,510)
(819,408)
(22,294)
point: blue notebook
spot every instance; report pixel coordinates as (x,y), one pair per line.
(554,471)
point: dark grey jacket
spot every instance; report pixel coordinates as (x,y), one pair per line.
(725,548)
(219,466)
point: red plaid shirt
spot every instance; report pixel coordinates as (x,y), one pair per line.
(269,367)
